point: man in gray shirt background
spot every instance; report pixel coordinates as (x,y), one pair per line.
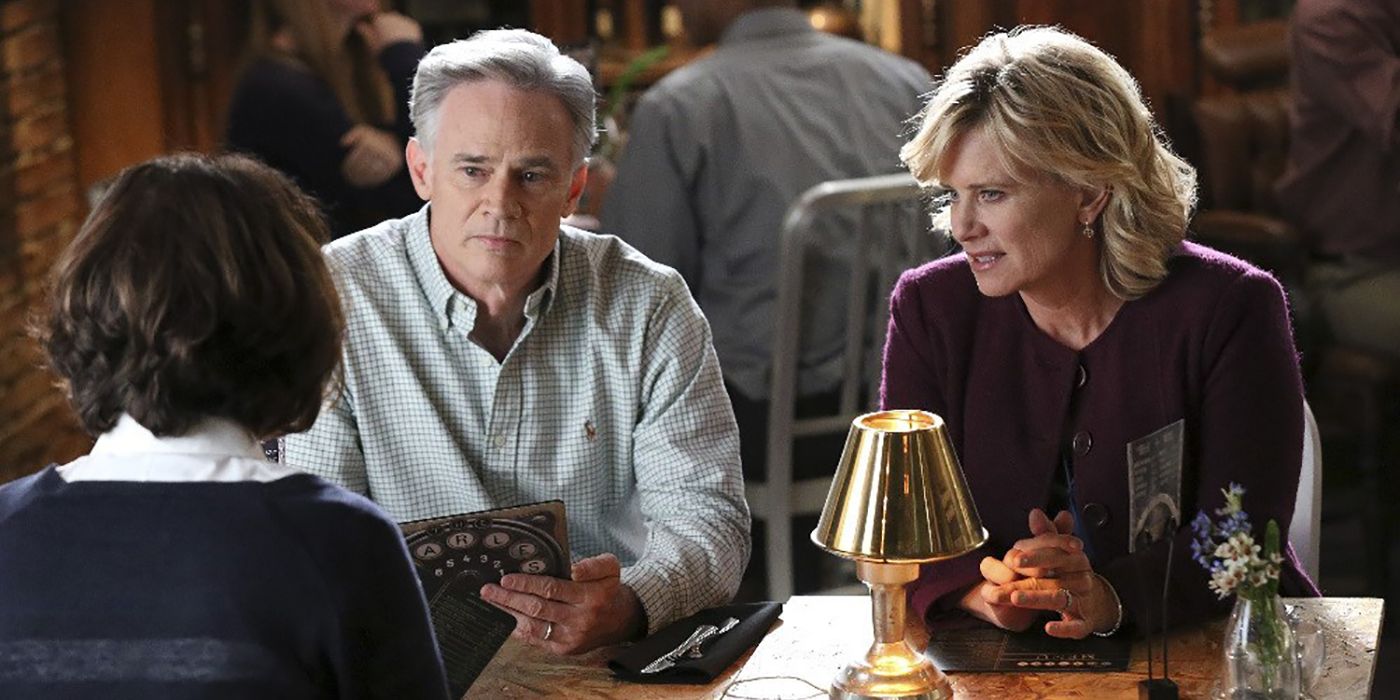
(719,149)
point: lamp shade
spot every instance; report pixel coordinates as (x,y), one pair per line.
(899,494)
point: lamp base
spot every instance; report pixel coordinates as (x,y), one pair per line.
(891,671)
(892,668)
(1157,689)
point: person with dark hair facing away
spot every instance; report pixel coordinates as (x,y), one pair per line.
(192,316)
(323,97)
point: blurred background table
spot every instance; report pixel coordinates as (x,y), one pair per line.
(818,635)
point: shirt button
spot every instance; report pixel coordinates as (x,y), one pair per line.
(1096,514)
(1082,443)
(1081,377)
(499,441)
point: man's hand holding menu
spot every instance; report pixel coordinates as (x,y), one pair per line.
(571,616)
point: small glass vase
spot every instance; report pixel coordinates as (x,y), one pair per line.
(1261,653)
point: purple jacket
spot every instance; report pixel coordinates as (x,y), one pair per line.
(1210,345)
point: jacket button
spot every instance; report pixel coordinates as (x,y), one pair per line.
(1095,514)
(1081,377)
(1082,443)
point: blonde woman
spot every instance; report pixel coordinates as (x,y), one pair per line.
(324,98)
(1076,322)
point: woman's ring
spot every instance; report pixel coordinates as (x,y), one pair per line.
(549,630)
(1069,601)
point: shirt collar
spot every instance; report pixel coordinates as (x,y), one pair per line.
(211,436)
(428,271)
(215,449)
(541,299)
(766,23)
(443,297)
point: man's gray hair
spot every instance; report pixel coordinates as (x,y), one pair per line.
(519,58)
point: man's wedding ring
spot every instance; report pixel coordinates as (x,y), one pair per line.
(1069,601)
(549,629)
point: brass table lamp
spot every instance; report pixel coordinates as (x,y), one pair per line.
(899,498)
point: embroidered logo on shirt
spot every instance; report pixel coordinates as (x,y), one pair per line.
(589,431)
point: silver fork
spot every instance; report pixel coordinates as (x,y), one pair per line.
(668,659)
(694,651)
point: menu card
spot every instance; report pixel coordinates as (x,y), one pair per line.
(456,555)
(989,649)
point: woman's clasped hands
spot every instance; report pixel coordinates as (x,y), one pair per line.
(1048,571)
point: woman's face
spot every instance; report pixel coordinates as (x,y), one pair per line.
(1020,234)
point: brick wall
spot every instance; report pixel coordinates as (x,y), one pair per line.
(39,211)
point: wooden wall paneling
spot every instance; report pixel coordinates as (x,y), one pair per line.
(117,103)
(964,25)
(1107,24)
(225,33)
(563,21)
(634,25)
(148,77)
(919,28)
(183,65)
(199,56)
(1155,39)
(1166,63)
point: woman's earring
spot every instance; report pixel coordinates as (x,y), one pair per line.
(1088,230)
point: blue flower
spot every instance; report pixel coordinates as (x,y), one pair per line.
(1199,550)
(1201,524)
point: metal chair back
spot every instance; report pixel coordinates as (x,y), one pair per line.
(889,232)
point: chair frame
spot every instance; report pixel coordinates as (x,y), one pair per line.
(778,498)
(1305,529)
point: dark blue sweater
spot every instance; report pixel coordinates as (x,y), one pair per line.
(287,589)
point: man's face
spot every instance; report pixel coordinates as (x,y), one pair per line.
(499,178)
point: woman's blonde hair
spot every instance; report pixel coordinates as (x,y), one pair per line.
(345,63)
(1054,104)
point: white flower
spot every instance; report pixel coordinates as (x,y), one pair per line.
(1226,580)
(1237,561)
(1220,585)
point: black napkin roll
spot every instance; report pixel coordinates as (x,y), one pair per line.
(717,654)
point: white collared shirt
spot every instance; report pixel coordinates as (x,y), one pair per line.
(215,449)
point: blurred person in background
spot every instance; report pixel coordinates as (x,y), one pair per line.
(323,97)
(1341,187)
(719,150)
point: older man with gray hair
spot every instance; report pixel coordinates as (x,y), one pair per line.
(497,357)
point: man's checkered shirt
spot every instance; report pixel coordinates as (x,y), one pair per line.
(610,399)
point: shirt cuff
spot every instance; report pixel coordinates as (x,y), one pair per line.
(648,580)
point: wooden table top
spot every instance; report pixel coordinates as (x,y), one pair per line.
(818,635)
